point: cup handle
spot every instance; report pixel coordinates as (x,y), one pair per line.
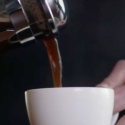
(114,119)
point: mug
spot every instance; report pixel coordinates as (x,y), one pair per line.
(70,106)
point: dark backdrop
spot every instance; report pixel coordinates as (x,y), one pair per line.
(90,45)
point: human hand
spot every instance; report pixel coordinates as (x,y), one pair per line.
(116,81)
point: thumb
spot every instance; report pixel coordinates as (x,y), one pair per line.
(116,77)
(116,81)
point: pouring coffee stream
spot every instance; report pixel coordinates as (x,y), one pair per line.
(55,60)
(29,19)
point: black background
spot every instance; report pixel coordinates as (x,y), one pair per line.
(90,45)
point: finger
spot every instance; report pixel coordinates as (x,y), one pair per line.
(117,76)
(119,104)
(121,121)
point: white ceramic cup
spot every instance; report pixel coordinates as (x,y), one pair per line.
(70,106)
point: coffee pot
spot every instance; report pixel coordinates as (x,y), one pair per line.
(22,21)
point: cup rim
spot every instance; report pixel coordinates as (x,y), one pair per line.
(74,88)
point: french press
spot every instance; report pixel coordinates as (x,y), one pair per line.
(26,19)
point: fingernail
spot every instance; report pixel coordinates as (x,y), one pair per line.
(104,85)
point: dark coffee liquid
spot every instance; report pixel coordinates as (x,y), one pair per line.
(55,60)
(5,22)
